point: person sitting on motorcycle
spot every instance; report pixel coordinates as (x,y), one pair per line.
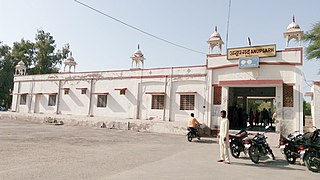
(192,122)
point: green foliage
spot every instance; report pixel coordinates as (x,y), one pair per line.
(306,108)
(40,57)
(6,75)
(313,38)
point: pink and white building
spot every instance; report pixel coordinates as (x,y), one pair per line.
(243,75)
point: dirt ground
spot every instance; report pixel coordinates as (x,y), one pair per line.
(43,151)
(30,150)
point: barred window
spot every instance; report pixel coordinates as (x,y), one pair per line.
(217,95)
(186,102)
(157,102)
(102,101)
(66,91)
(23,99)
(52,100)
(122,91)
(287,96)
(83,91)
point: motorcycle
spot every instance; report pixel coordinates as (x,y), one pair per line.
(239,142)
(259,148)
(194,133)
(312,155)
(293,147)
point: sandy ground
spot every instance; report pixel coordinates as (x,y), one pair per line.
(41,151)
(30,150)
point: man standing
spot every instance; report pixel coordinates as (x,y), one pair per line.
(224,138)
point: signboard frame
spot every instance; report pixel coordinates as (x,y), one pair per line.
(252,51)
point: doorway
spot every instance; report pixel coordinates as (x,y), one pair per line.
(251,108)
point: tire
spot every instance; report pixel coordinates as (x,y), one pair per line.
(312,164)
(254,154)
(189,137)
(235,152)
(290,159)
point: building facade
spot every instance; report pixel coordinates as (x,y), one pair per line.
(241,79)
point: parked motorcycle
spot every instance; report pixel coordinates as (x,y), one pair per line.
(259,148)
(312,155)
(239,142)
(293,147)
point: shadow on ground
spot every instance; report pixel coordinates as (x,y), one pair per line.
(279,164)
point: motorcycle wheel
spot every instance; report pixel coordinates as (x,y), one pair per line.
(235,152)
(312,164)
(189,137)
(290,159)
(254,154)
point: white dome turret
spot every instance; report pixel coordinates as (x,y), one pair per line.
(293,32)
(293,26)
(70,62)
(138,58)
(20,68)
(215,40)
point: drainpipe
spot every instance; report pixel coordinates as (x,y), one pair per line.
(90,99)
(58,100)
(164,103)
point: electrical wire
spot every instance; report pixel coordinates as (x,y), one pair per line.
(135,28)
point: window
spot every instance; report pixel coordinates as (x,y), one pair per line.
(157,102)
(217,95)
(102,101)
(122,91)
(66,91)
(52,100)
(83,91)
(23,99)
(287,96)
(186,102)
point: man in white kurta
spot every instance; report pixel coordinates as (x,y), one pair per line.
(224,138)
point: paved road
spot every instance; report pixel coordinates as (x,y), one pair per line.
(41,151)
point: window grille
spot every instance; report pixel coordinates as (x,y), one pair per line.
(186,102)
(217,95)
(287,96)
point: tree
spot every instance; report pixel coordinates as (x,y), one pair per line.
(306,108)
(41,56)
(6,75)
(313,38)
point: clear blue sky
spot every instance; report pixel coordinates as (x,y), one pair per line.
(100,43)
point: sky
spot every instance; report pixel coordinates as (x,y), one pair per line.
(100,43)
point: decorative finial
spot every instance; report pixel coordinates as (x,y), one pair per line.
(70,53)
(249,41)
(215,29)
(293,20)
(138,46)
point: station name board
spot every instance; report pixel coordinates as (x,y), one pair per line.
(257,51)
